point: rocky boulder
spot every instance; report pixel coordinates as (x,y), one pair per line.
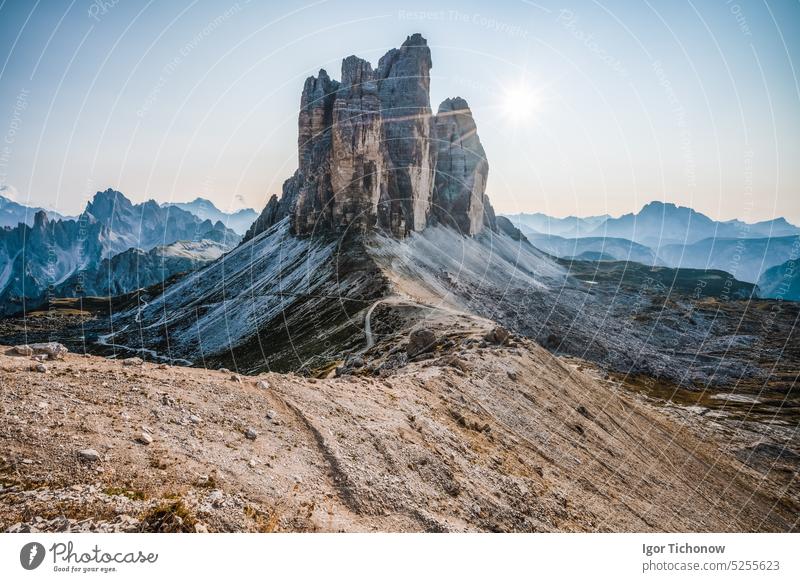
(420,341)
(89,455)
(497,335)
(22,350)
(53,350)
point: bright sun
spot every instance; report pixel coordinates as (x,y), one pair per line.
(520,103)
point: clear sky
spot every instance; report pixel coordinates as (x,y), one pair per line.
(583,107)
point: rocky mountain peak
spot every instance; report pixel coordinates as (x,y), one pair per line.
(660,206)
(40,220)
(314,119)
(408,130)
(368,149)
(106,203)
(461,170)
(356,71)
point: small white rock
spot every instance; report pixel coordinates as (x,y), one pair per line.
(145,438)
(216,497)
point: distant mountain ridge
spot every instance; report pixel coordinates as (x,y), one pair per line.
(568,227)
(13,213)
(666,234)
(593,248)
(47,253)
(147,224)
(781,281)
(135,269)
(204,209)
(659,223)
(656,224)
(744,258)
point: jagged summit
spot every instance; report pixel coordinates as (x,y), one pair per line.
(372,155)
(461,170)
(40,220)
(373,159)
(105,203)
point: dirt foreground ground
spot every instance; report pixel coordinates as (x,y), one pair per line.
(475,437)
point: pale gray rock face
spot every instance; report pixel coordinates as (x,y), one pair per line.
(368,148)
(314,119)
(308,192)
(407,124)
(461,170)
(357,155)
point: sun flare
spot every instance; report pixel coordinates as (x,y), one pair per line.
(520,103)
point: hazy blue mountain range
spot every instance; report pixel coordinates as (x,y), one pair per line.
(593,248)
(48,252)
(781,281)
(658,224)
(238,221)
(666,234)
(745,258)
(655,225)
(12,213)
(766,228)
(148,224)
(571,226)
